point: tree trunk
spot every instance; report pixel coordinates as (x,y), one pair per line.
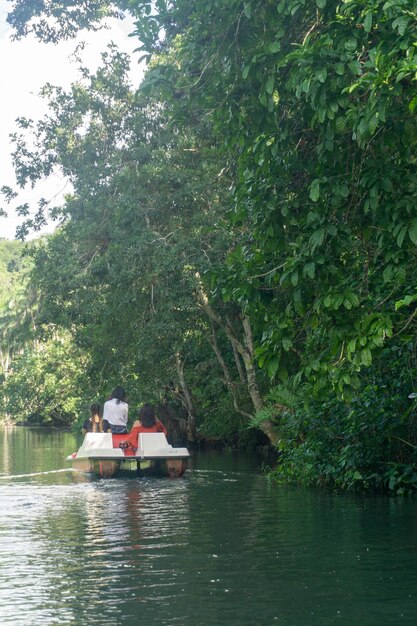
(246,351)
(237,361)
(228,379)
(266,426)
(186,400)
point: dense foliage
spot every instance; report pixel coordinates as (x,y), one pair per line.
(11,263)
(256,197)
(16,301)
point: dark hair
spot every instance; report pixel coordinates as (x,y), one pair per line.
(147,415)
(96,426)
(119,394)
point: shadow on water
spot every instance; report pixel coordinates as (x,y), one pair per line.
(218,546)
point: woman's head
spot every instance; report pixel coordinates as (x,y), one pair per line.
(95,411)
(118,394)
(147,415)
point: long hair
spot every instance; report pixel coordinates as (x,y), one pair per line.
(95,410)
(147,415)
(119,394)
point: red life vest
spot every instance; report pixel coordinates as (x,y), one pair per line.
(132,439)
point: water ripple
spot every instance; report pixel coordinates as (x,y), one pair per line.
(218,546)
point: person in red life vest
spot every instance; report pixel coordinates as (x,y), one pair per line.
(147,423)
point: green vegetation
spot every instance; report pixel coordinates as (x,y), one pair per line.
(10,266)
(16,306)
(241,240)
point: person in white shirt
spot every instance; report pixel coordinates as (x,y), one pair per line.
(115,412)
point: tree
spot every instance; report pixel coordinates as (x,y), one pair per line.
(120,274)
(317,107)
(314,103)
(18,301)
(45,385)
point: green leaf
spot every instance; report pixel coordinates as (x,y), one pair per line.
(310,269)
(351,346)
(387,274)
(406,301)
(317,238)
(351,43)
(340,124)
(366,357)
(321,74)
(298,303)
(412,105)
(273,367)
(401,274)
(263,97)
(321,114)
(269,86)
(401,236)
(275,46)
(400,24)
(412,231)
(315,190)
(352,298)
(367,23)
(373,123)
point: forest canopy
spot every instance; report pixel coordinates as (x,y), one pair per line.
(240,241)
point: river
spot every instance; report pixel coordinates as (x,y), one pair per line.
(219,546)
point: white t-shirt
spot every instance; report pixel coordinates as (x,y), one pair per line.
(115,412)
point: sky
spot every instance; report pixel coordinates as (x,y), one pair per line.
(26,66)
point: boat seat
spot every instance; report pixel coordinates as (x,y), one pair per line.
(152,442)
(155,445)
(98,441)
(98,445)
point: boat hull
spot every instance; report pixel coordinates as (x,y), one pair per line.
(107,468)
(101,455)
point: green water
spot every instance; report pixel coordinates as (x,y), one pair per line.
(218,546)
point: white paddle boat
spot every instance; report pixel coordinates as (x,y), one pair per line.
(101,454)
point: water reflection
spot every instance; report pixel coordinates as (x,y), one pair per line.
(6,451)
(218,546)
